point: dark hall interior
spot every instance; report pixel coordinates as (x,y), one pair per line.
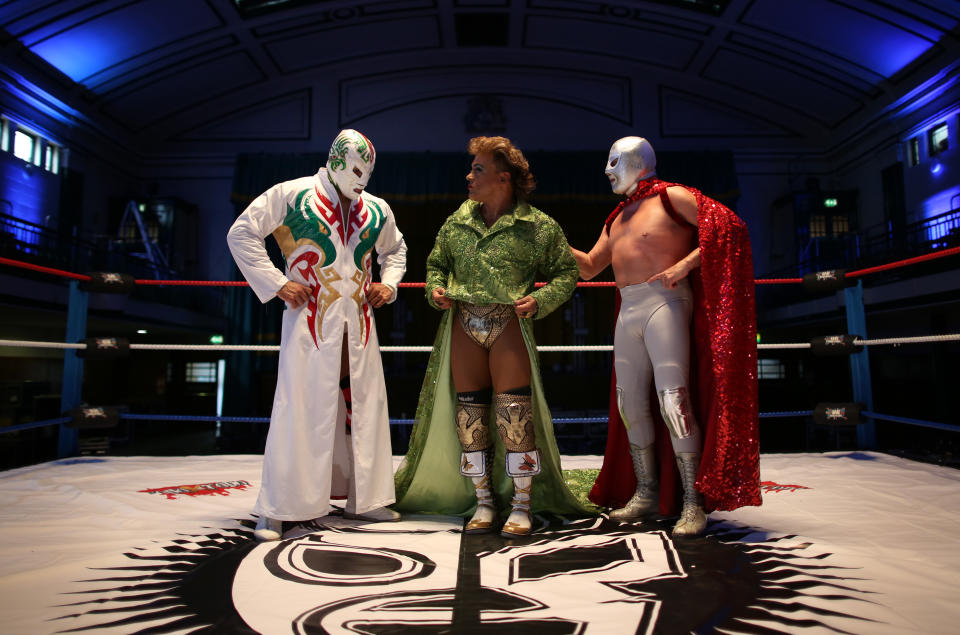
(832,128)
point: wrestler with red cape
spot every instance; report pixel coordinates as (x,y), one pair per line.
(723,381)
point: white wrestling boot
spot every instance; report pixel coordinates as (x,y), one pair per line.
(520,521)
(485,516)
(644,499)
(268,529)
(693,521)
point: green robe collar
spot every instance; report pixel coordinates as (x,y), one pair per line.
(469,214)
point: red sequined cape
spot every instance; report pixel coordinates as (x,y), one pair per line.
(723,376)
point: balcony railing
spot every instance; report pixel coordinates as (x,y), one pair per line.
(930,234)
(37,244)
(875,245)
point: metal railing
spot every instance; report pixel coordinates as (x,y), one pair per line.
(41,245)
(869,247)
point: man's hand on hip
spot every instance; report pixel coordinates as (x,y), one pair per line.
(671,276)
(378,294)
(294,294)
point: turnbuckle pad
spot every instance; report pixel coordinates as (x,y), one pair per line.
(835,345)
(837,414)
(94,417)
(826,281)
(107,282)
(104,348)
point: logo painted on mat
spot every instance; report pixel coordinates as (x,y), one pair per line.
(221,488)
(373,583)
(770,486)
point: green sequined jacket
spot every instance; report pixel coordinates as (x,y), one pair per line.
(498,265)
(481,265)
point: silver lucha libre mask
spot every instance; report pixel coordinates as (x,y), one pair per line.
(350,163)
(631,159)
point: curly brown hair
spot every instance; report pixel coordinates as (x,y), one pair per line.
(509,159)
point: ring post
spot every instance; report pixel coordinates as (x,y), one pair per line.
(72,385)
(860,364)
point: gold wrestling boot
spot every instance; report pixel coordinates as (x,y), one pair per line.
(644,499)
(693,521)
(520,521)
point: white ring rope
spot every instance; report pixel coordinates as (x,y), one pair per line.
(426,349)
(204,347)
(26,344)
(909,340)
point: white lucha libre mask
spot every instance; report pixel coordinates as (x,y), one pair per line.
(350,163)
(631,159)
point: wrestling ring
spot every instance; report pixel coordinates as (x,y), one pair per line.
(849,541)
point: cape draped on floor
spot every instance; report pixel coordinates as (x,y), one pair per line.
(429,480)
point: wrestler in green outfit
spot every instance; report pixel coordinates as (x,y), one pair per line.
(484,369)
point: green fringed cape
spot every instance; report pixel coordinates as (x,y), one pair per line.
(429,479)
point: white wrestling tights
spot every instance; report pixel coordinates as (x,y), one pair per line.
(652,343)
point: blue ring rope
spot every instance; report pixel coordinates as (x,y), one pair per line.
(36,424)
(787,413)
(913,422)
(200,418)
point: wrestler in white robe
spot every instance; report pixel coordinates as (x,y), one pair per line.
(306,460)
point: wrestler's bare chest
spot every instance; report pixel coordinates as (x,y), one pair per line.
(645,241)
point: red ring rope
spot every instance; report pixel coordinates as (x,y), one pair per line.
(902,263)
(194,283)
(241,283)
(50,270)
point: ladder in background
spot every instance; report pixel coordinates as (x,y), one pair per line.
(151,251)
